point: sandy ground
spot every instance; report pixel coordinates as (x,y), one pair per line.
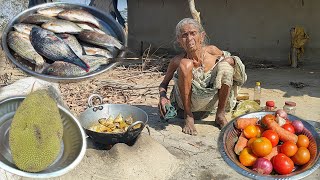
(182,156)
(198,156)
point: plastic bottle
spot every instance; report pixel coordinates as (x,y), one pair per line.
(269,106)
(290,107)
(257,93)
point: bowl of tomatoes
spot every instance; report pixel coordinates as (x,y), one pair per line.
(257,145)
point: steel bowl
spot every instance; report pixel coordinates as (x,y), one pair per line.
(95,112)
(108,25)
(229,135)
(73,149)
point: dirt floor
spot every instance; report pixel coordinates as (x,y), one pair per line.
(198,156)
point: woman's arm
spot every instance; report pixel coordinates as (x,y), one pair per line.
(173,65)
(163,100)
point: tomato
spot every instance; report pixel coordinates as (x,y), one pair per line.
(272,136)
(301,157)
(259,130)
(288,148)
(247,158)
(261,147)
(250,131)
(288,127)
(303,141)
(251,141)
(268,117)
(282,164)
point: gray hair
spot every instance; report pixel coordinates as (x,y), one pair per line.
(193,22)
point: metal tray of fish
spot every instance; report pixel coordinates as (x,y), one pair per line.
(68,69)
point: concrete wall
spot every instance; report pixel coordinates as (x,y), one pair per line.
(251,28)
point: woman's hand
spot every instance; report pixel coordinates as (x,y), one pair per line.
(162,103)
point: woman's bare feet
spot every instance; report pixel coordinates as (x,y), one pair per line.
(221,120)
(189,127)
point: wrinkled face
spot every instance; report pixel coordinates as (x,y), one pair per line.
(190,38)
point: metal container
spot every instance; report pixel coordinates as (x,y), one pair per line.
(229,135)
(93,113)
(108,25)
(73,145)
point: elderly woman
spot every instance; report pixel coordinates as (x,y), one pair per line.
(203,76)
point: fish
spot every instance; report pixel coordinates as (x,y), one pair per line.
(98,39)
(62,26)
(20,43)
(90,50)
(54,48)
(24,28)
(89,27)
(79,15)
(72,43)
(37,19)
(64,69)
(51,11)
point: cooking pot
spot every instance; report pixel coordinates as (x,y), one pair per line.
(95,112)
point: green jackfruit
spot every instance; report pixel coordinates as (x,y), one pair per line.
(36,132)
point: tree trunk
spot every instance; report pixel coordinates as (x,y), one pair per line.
(195,14)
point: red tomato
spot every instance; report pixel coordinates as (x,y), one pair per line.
(272,136)
(282,164)
(261,147)
(288,127)
(268,117)
(288,148)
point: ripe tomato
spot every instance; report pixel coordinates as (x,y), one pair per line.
(303,141)
(302,156)
(288,127)
(259,130)
(250,131)
(288,121)
(247,158)
(251,141)
(261,147)
(272,136)
(282,164)
(268,117)
(288,148)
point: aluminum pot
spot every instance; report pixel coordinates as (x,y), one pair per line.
(109,24)
(229,135)
(95,112)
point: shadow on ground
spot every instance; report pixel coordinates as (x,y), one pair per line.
(159,124)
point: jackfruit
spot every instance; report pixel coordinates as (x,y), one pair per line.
(36,132)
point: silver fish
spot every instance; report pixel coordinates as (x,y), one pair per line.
(20,43)
(37,19)
(72,43)
(79,15)
(54,48)
(102,40)
(90,50)
(64,69)
(51,11)
(23,28)
(61,26)
(89,27)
